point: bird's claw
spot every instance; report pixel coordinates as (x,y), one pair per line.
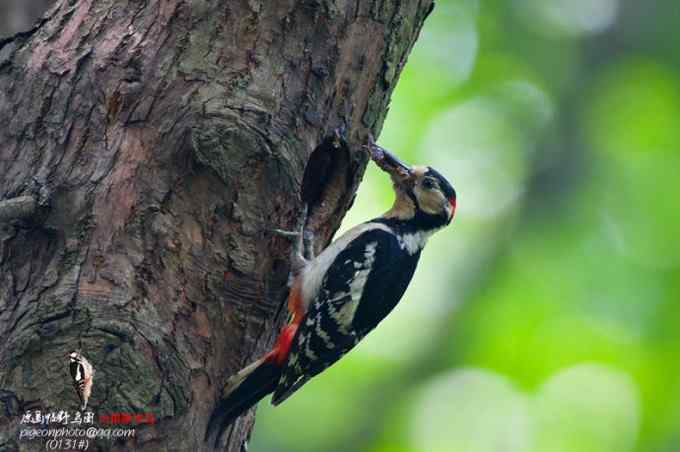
(302,251)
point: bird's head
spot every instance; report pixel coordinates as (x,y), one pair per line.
(423,195)
(74,356)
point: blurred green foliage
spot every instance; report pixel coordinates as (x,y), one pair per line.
(547,318)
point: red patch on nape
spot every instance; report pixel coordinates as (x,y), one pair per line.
(452,201)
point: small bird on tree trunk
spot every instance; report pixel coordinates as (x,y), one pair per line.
(82,373)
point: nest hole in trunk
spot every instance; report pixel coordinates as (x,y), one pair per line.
(327,186)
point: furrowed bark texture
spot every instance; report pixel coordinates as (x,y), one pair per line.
(155,145)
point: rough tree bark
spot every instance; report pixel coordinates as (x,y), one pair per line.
(147,149)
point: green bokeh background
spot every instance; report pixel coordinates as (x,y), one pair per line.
(547,318)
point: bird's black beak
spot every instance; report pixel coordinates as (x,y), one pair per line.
(387,161)
(393,162)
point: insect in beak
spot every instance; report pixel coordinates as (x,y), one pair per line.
(387,161)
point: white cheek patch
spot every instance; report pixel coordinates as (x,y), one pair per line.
(432,202)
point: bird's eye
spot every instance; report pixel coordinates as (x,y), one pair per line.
(428,184)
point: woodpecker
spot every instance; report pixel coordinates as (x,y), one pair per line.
(82,373)
(339,296)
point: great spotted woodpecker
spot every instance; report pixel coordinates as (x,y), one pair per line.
(82,373)
(343,293)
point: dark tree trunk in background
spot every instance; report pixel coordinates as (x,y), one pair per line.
(147,149)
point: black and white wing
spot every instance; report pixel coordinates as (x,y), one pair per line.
(363,284)
(77,371)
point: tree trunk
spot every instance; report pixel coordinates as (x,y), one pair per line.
(147,150)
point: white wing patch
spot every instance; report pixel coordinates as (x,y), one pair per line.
(313,274)
(345,315)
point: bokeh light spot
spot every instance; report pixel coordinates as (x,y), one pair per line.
(587,408)
(470,410)
(569,17)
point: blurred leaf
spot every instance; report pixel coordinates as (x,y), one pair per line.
(633,109)
(588,408)
(470,410)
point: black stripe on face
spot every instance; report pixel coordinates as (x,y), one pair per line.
(444,185)
(412,195)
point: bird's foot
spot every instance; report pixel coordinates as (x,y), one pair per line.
(303,243)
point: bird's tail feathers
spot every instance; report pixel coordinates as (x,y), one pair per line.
(283,392)
(242,391)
